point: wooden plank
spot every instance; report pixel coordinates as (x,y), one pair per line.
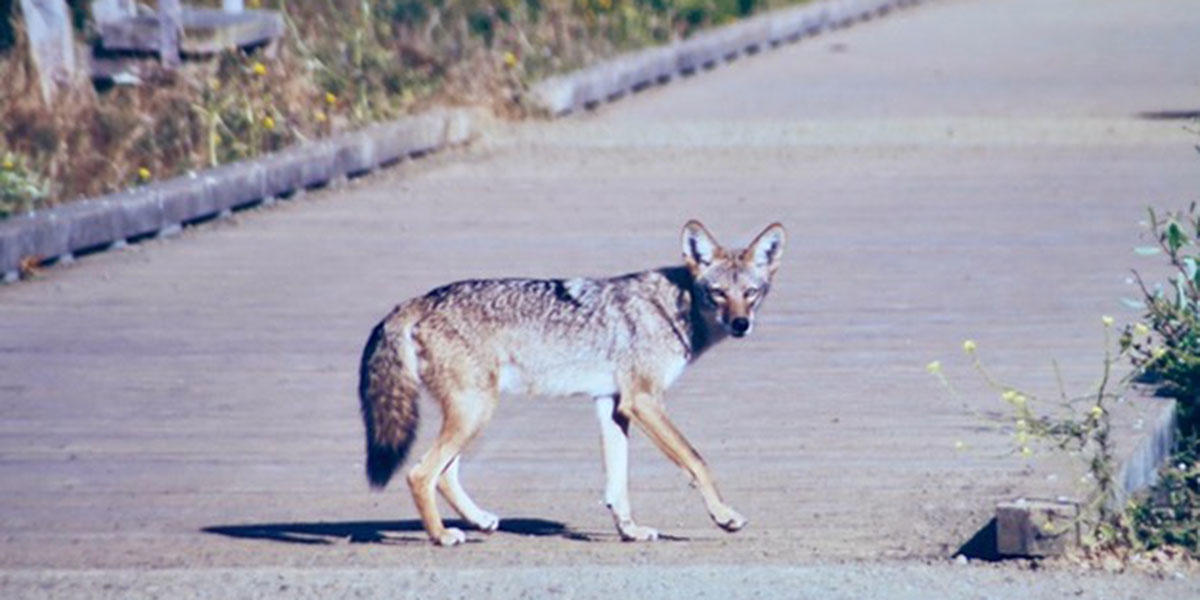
(208,31)
(205,31)
(48,26)
(170,27)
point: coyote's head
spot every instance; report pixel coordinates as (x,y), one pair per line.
(732,283)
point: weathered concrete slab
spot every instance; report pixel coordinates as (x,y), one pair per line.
(1036,527)
(1139,466)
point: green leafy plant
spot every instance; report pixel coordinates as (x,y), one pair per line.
(1172,356)
(20,189)
(1167,352)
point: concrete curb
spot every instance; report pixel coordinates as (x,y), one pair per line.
(1139,469)
(563,94)
(162,208)
(1019,523)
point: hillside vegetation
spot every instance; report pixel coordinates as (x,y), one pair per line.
(343,63)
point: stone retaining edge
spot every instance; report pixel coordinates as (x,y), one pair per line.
(612,79)
(162,208)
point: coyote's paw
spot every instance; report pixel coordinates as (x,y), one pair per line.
(637,533)
(730,520)
(486,522)
(450,537)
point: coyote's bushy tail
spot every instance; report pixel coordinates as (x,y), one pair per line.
(388,390)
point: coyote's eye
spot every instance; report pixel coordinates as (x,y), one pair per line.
(751,293)
(717,296)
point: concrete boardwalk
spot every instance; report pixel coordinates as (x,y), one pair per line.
(966,169)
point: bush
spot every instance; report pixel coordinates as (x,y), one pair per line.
(20,189)
(1167,352)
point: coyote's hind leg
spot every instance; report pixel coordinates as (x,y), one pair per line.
(464,414)
(614,435)
(452,490)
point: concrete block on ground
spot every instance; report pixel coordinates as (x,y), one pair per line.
(696,52)
(318,165)
(754,32)
(91,223)
(140,211)
(556,95)
(283,172)
(16,242)
(1035,527)
(183,199)
(587,91)
(235,184)
(420,134)
(354,153)
(787,25)
(47,235)
(460,127)
(1139,469)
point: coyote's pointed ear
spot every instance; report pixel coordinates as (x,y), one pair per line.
(765,250)
(700,249)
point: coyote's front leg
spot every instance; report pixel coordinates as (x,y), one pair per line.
(614,436)
(647,411)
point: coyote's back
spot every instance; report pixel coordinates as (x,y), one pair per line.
(620,340)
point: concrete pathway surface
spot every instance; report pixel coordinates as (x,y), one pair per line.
(965,169)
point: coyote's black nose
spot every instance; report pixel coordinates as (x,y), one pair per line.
(739,326)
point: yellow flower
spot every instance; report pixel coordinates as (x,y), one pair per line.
(1048,527)
(1022,425)
(1022,438)
(959,445)
(1158,353)
(1014,397)
(8,164)
(330,99)
(320,116)
(214,83)
(255,3)
(143,173)
(1097,412)
(969,346)
(934,367)
(259,68)
(1140,330)
(1107,320)
(1026,451)
(268,122)
(510,59)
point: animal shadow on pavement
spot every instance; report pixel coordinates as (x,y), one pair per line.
(382,532)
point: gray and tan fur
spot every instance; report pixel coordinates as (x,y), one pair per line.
(622,341)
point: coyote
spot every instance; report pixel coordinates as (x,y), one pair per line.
(623,341)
